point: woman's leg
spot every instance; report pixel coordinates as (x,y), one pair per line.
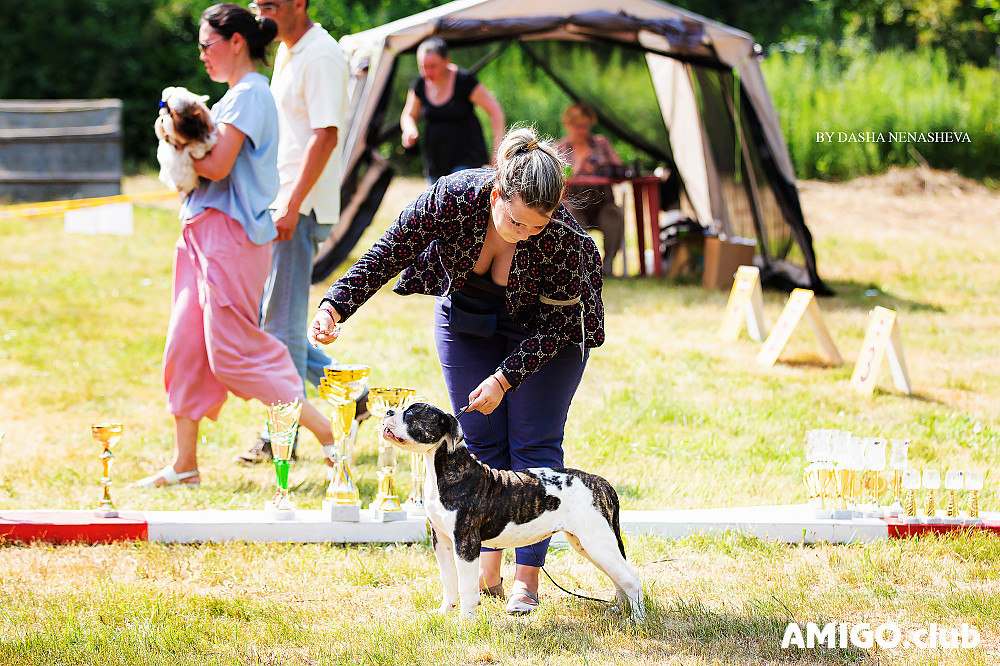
(466,360)
(537,413)
(611,222)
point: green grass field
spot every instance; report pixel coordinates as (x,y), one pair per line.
(671,416)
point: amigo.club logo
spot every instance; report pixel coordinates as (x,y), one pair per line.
(887,635)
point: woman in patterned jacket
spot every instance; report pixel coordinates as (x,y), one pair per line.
(518,286)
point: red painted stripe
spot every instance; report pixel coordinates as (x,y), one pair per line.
(900,530)
(71,527)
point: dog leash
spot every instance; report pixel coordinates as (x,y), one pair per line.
(538,560)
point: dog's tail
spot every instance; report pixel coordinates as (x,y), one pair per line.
(616,526)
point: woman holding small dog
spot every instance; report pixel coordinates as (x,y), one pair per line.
(518,283)
(214,345)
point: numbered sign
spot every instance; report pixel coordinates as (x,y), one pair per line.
(882,339)
(746,302)
(801,302)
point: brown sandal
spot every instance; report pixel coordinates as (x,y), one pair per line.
(495,592)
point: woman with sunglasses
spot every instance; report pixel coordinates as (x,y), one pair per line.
(518,286)
(214,344)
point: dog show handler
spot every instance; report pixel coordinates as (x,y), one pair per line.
(518,286)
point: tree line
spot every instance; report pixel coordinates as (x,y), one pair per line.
(132,49)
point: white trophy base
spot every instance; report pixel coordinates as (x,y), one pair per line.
(342,513)
(952,520)
(893,510)
(842,514)
(283,511)
(823,514)
(932,520)
(972,520)
(380,516)
(412,509)
(105,513)
(911,520)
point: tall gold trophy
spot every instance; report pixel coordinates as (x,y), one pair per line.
(282,422)
(931,481)
(911,484)
(107,435)
(342,385)
(386,506)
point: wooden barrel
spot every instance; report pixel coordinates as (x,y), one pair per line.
(60,149)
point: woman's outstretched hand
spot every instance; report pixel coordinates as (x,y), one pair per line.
(489,394)
(324,329)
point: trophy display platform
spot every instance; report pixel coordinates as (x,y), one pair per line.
(783,523)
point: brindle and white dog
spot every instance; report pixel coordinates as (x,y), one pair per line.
(186,133)
(471,505)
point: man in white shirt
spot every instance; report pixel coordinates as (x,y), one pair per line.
(309,85)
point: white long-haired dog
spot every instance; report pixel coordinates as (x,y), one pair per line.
(186,133)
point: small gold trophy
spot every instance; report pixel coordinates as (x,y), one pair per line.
(932,481)
(952,483)
(282,422)
(107,435)
(974,483)
(911,484)
(898,462)
(386,506)
(341,386)
(418,472)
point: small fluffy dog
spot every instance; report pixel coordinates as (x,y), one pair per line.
(471,505)
(186,133)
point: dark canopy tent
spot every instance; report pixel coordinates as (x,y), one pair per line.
(727,148)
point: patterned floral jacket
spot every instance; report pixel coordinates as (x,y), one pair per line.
(554,286)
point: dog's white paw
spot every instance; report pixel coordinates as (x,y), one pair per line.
(445,608)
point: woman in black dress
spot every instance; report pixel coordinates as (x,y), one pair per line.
(446,96)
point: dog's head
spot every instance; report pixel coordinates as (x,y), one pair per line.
(183,117)
(420,428)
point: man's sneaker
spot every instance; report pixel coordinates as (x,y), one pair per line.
(258,453)
(261,451)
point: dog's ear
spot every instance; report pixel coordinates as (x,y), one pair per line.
(453,428)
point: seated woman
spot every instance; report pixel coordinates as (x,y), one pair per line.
(589,154)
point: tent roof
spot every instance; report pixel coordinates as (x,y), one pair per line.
(563,19)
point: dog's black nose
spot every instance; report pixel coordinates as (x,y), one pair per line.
(389,412)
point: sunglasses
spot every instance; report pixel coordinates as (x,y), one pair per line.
(203,46)
(266,6)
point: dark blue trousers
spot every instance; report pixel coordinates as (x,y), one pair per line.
(526,430)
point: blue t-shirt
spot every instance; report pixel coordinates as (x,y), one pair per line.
(252,184)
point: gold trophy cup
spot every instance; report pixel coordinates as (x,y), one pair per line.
(910,484)
(282,422)
(341,386)
(932,481)
(386,506)
(107,435)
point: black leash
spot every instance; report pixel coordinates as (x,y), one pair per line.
(534,554)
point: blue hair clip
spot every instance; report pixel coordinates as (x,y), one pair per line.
(162,104)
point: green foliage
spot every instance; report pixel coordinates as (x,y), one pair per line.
(893,91)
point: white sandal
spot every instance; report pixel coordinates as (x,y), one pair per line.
(170,478)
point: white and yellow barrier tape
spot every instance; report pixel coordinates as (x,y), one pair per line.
(44,208)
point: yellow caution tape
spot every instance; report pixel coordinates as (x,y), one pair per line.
(56,207)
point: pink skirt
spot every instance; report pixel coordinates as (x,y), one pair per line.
(214,343)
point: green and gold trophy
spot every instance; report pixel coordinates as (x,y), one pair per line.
(107,435)
(386,506)
(341,386)
(282,421)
